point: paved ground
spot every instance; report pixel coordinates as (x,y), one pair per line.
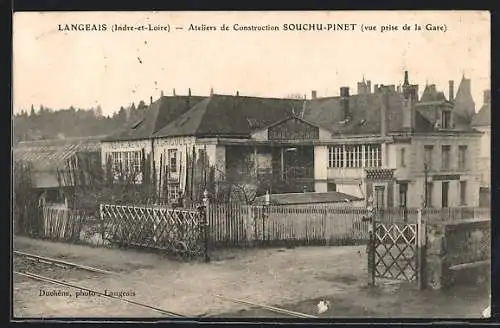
(290,278)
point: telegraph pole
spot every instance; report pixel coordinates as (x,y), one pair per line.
(425,185)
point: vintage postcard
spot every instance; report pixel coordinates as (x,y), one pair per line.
(316,164)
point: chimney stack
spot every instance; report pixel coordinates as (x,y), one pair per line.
(406,82)
(237,93)
(344,101)
(486,97)
(451,90)
(211,91)
(189,92)
(369,86)
(173,92)
(383,110)
(150,100)
(314,94)
(162,94)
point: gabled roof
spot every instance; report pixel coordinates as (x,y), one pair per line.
(224,115)
(159,113)
(483,117)
(365,114)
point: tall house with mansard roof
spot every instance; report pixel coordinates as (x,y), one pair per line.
(482,122)
(381,143)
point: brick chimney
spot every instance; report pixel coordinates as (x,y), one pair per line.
(384,94)
(486,97)
(451,90)
(237,93)
(344,102)
(211,91)
(314,94)
(150,100)
(173,92)
(406,80)
(189,92)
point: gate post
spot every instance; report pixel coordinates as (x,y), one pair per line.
(206,224)
(371,243)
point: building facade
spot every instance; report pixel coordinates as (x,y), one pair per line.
(385,144)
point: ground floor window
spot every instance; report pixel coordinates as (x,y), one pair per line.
(379,197)
(126,164)
(428,200)
(445,186)
(463,193)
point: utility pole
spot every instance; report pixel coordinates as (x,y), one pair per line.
(425,185)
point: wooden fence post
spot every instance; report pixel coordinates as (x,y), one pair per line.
(206,222)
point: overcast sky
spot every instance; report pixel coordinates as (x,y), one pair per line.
(83,69)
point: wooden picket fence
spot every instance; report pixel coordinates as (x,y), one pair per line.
(234,225)
(60,223)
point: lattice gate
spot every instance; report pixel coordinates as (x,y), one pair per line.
(393,252)
(175,231)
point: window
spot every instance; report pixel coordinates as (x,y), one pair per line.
(446,119)
(355,156)
(403,155)
(463,193)
(379,196)
(173,191)
(336,156)
(445,186)
(172,160)
(428,156)
(462,157)
(373,156)
(445,161)
(331,187)
(127,162)
(428,200)
(403,190)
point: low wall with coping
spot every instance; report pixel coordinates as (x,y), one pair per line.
(457,252)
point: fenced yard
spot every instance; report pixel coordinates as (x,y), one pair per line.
(185,231)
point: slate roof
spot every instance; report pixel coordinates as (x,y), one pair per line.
(483,117)
(46,156)
(309,198)
(430,94)
(365,114)
(225,115)
(159,113)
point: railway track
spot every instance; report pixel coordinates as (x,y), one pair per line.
(74,266)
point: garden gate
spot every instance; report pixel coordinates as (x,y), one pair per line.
(394,250)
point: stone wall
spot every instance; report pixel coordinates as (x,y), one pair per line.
(450,245)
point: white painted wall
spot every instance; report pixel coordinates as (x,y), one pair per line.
(320,168)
